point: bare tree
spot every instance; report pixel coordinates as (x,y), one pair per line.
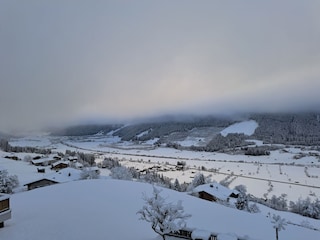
(164,217)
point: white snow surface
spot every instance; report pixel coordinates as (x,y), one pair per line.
(106,209)
(245,127)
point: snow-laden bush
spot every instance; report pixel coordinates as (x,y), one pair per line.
(253,208)
(7,182)
(27,158)
(88,173)
(121,173)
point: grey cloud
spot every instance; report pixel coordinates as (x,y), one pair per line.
(64,60)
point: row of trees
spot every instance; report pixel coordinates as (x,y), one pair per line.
(305,207)
(6,147)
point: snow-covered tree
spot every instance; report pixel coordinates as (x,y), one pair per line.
(7,182)
(164,217)
(242,202)
(279,203)
(241,188)
(121,173)
(278,224)
(198,180)
(176,185)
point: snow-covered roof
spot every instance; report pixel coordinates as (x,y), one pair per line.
(3,196)
(227,236)
(215,189)
(43,160)
(200,234)
(59,162)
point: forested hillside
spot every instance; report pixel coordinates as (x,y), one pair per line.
(293,129)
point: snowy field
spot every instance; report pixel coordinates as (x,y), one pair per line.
(296,177)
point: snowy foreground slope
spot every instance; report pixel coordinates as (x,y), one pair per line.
(106,209)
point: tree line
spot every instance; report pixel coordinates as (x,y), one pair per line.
(7,147)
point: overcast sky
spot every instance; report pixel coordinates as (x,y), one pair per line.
(62,61)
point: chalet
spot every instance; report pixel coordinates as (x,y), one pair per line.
(59,165)
(40,183)
(215,192)
(5,211)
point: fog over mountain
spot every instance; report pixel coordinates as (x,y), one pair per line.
(62,61)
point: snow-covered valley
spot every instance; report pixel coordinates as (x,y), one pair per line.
(105,207)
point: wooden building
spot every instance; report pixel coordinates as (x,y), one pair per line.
(5,211)
(60,165)
(40,183)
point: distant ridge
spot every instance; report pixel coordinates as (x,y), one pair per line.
(278,128)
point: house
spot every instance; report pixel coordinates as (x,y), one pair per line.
(191,234)
(59,165)
(5,211)
(61,176)
(215,192)
(40,183)
(199,234)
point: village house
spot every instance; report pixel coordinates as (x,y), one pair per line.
(215,192)
(5,211)
(61,176)
(40,183)
(60,165)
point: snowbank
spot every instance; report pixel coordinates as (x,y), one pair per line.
(106,209)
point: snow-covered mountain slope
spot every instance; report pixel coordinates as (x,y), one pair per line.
(106,209)
(245,127)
